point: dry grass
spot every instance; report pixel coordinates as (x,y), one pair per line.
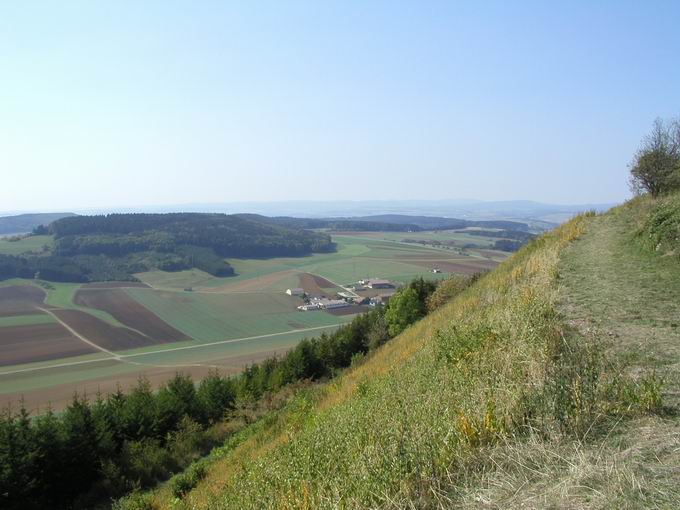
(493,401)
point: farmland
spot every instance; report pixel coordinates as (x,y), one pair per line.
(59,337)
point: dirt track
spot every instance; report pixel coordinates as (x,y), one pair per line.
(129,312)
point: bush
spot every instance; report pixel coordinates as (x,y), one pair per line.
(181,484)
(136,501)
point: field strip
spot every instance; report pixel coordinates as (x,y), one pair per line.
(78,335)
(121,357)
(220,342)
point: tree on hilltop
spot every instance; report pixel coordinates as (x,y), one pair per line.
(656,165)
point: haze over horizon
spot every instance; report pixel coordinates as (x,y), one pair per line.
(145,105)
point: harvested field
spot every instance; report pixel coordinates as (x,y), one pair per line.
(129,312)
(20,300)
(317,285)
(101,333)
(38,342)
(114,285)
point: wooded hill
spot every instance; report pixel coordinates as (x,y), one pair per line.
(115,246)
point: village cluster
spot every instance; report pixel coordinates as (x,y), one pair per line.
(370,291)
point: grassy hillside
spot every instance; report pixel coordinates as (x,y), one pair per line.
(512,395)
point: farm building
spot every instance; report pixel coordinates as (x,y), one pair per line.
(329,304)
(309,307)
(297,291)
(378,283)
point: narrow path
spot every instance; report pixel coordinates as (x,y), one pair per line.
(630,298)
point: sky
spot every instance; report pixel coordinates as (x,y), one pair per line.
(128,103)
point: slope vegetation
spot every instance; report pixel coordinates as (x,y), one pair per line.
(502,398)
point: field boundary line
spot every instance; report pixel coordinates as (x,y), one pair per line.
(121,357)
(233,340)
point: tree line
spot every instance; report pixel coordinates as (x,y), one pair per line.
(122,441)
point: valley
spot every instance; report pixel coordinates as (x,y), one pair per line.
(61,337)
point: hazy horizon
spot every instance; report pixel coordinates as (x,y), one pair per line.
(132,105)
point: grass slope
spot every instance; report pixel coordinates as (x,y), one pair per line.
(480,404)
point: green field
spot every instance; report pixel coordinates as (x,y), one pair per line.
(210,317)
(25,245)
(26,320)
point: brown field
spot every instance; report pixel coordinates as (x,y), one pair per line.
(102,333)
(115,285)
(129,312)
(38,342)
(316,285)
(20,300)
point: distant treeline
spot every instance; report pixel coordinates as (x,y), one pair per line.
(115,247)
(226,235)
(95,450)
(391,223)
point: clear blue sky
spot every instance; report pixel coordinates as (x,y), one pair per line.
(158,102)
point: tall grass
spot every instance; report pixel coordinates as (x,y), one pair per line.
(406,426)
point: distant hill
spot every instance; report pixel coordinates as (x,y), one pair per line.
(390,223)
(24,223)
